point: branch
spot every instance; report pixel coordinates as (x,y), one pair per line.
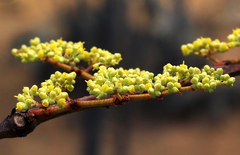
(20,124)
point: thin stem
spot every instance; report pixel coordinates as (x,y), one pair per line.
(81,72)
(119,96)
(211,57)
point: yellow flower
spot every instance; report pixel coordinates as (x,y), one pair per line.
(178,85)
(60,41)
(208,40)
(50,87)
(86,54)
(102,69)
(184,48)
(224,46)
(89,82)
(56,58)
(45,103)
(61,102)
(68,51)
(131,89)
(148,85)
(196,44)
(21,106)
(96,66)
(97,86)
(64,75)
(231,44)
(183,65)
(53,46)
(105,88)
(40,54)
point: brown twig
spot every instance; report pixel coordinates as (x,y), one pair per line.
(80,72)
(211,57)
(19,124)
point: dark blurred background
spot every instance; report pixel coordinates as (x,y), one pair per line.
(148,34)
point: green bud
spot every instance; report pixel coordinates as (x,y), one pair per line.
(213,85)
(29,102)
(63,95)
(230,81)
(150,75)
(61,102)
(110,90)
(194,80)
(224,77)
(199,86)
(231,38)
(52,94)
(126,81)
(45,102)
(58,74)
(175,90)
(120,71)
(34,90)
(151,91)
(24,48)
(196,70)
(50,54)
(96,91)
(205,80)
(191,70)
(113,73)
(102,60)
(163,81)
(170,85)
(219,71)
(142,87)
(43,95)
(14,51)
(76,60)
(157,93)
(157,86)
(72,82)
(206,87)
(20,98)
(25,90)
(124,89)
(102,95)
(51,100)
(21,106)
(206,68)
(69,87)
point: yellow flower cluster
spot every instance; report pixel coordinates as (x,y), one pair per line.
(111,81)
(205,46)
(51,91)
(65,52)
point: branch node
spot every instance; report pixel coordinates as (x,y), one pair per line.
(125,99)
(73,105)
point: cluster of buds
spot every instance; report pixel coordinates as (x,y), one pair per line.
(52,91)
(65,52)
(112,81)
(205,46)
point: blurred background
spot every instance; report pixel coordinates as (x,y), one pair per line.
(148,34)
